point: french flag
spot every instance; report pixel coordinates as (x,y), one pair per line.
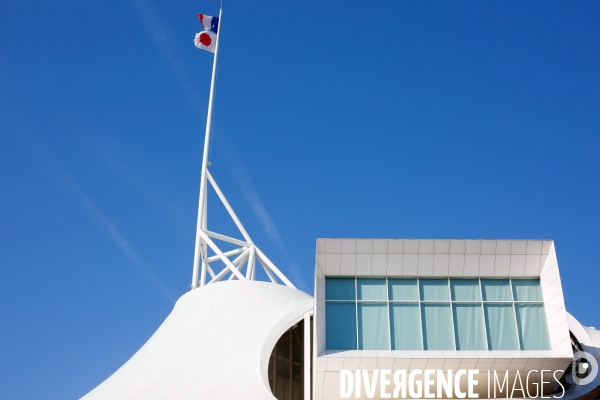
(209,23)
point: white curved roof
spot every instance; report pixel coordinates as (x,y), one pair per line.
(215,344)
(585,335)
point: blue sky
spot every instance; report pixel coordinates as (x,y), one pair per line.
(332,119)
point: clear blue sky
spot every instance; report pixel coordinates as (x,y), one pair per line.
(340,119)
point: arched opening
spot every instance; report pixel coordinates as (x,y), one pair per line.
(286,364)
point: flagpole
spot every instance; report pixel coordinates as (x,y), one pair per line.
(202,206)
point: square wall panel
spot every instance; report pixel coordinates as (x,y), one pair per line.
(441,263)
(348,265)
(411,246)
(364,246)
(442,246)
(333,245)
(533,265)
(395,246)
(363,264)
(517,265)
(502,265)
(487,264)
(519,247)
(456,266)
(534,247)
(379,264)
(425,266)
(410,264)
(488,247)
(348,245)
(333,263)
(426,246)
(394,265)
(457,246)
(503,246)
(471,265)
(380,246)
(473,247)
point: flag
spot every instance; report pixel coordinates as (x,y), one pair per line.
(207,39)
(209,23)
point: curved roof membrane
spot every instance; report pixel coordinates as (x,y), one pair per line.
(215,344)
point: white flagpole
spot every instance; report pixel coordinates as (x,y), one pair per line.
(201,224)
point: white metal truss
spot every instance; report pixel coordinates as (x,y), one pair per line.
(241,262)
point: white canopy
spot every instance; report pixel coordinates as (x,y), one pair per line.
(215,344)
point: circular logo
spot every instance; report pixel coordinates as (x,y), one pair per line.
(584,368)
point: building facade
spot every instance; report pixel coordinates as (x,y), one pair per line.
(486,305)
(390,318)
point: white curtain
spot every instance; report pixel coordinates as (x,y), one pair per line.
(500,325)
(495,290)
(434,289)
(468,327)
(373,327)
(527,290)
(465,289)
(371,289)
(531,321)
(405,324)
(437,327)
(403,289)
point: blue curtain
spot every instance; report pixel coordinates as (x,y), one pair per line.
(437,327)
(468,327)
(403,289)
(434,289)
(340,326)
(527,290)
(371,289)
(373,327)
(495,290)
(531,322)
(500,325)
(405,324)
(465,289)
(339,289)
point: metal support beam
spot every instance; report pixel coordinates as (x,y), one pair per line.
(307,356)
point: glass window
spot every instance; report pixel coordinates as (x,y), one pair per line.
(531,322)
(500,325)
(465,289)
(437,327)
(371,289)
(340,326)
(495,290)
(403,290)
(435,314)
(527,290)
(468,326)
(405,324)
(339,289)
(434,289)
(373,327)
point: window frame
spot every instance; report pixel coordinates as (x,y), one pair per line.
(419,302)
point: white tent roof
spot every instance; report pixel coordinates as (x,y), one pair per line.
(215,344)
